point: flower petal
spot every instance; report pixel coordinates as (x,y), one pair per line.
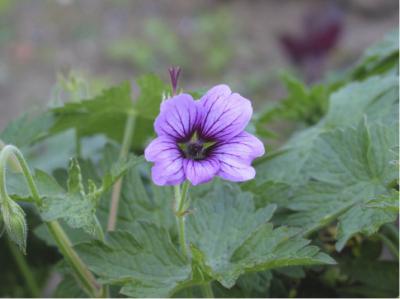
(161,148)
(168,172)
(202,171)
(178,118)
(235,170)
(243,147)
(225,114)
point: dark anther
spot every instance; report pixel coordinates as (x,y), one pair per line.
(195,150)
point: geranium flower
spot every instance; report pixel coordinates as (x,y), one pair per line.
(198,140)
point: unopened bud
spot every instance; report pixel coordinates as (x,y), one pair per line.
(174,73)
(15,223)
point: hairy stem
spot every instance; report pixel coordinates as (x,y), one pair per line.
(180,203)
(116,191)
(24,269)
(207,290)
(84,276)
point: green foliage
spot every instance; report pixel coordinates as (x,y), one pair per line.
(379,279)
(228,248)
(380,58)
(27,129)
(302,104)
(77,205)
(333,169)
(222,247)
(147,263)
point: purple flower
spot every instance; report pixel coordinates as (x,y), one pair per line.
(198,140)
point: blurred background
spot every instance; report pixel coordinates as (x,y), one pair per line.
(243,43)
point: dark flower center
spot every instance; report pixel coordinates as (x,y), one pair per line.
(196,148)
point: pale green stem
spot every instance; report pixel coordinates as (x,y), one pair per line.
(85,277)
(24,269)
(116,191)
(389,244)
(207,290)
(180,203)
(392,230)
(78,145)
(8,153)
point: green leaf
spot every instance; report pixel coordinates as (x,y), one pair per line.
(146,264)
(77,206)
(380,58)
(147,106)
(366,218)
(348,168)
(323,171)
(371,278)
(18,189)
(251,285)
(27,129)
(225,248)
(377,98)
(301,104)
(139,200)
(152,91)
(106,113)
(387,203)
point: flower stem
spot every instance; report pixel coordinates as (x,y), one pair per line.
(181,203)
(24,269)
(116,191)
(207,290)
(85,277)
(9,152)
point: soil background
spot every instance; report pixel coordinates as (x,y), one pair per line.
(235,42)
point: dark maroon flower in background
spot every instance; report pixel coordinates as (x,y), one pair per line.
(321,30)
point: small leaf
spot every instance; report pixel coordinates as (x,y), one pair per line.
(74,182)
(77,207)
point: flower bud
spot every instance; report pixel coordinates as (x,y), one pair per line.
(15,223)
